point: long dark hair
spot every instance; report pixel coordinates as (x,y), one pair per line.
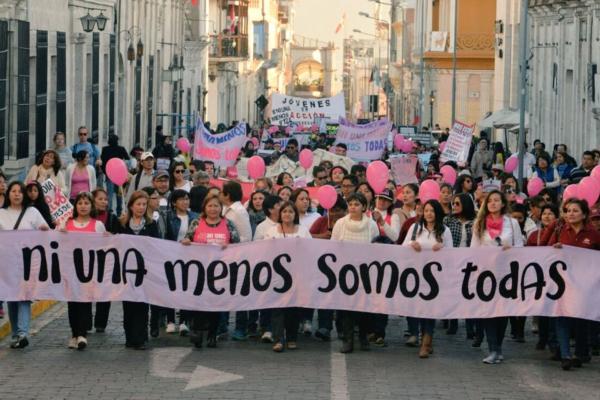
(40,203)
(26,200)
(172,169)
(289,204)
(467,205)
(458,186)
(57,163)
(438,225)
(89,197)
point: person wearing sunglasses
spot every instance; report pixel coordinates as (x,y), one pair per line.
(177,178)
(84,144)
(291,150)
(319,177)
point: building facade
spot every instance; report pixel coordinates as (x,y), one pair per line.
(564,80)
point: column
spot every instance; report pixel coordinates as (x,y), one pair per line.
(462,89)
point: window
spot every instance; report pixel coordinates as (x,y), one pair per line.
(61,82)
(3,86)
(150,108)
(111,86)
(41,90)
(138,100)
(260,40)
(95,84)
(23,89)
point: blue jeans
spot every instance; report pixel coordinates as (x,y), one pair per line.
(19,313)
(564,327)
(112,189)
(241,322)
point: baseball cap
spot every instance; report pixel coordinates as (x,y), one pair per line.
(146,155)
(498,167)
(386,194)
(161,173)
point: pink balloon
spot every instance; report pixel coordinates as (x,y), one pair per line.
(535,186)
(116,170)
(570,192)
(327,196)
(183,145)
(596,173)
(449,174)
(589,190)
(398,140)
(406,146)
(306,158)
(442,146)
(377,175)
(256,167)
(254,141)
(429,190)
(511,164)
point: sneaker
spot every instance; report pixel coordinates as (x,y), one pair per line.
(380,342)
(278,347)
(323,334)
(22,343)
(239,335)
(500,356)
(492,358)
(183,330)
(81,343)
(73,343)
(307,328)
(267,337)
(292,346)
(412,341)
(14,342)
(170,328)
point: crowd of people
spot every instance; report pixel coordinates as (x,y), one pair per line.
(171,197)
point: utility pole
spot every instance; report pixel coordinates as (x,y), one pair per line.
(454,35)
(523,86)
(422,83)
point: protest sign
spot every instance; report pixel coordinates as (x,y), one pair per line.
(302,138)
(458,143)
(61,208)
(221,148)
(424,158)
(404,168)
(365,142)
(451,283)
(289,110)
(491,184)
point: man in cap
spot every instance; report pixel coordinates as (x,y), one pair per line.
(144,176)
(160,182)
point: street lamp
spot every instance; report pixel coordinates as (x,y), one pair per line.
(431,103)
(101,21)
(88,22)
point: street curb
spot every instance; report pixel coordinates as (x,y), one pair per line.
(37,309)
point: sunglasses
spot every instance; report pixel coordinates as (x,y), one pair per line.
(456,203)
(83,134)
(321,177)
(179,171)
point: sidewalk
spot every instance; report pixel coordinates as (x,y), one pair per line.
(37,309)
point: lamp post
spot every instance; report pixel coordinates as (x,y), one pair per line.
(88,21)
(431,103)
(138,50)
(454,35)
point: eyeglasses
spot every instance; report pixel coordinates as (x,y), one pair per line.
(290,148)
(83,134)
(179,171)
(321,177)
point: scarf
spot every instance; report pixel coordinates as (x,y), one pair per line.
(494,226)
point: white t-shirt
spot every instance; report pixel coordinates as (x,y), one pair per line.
(32,219)
(308,219)
(263,228)
(426,238)
(187,186)
(185,223)
(274,233)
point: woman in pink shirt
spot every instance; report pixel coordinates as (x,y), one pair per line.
(210,228)
(80,176)
(80,313)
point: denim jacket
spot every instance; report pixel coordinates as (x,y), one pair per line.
(173,223)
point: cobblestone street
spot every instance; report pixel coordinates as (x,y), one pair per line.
(171,369)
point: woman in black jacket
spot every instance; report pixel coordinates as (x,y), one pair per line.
(135,314)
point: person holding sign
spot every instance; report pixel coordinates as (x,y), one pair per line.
(285,320)
(495,227)
(80,313)
(135,314)
(210,228)
(428,233)
(355,227)
(17,215)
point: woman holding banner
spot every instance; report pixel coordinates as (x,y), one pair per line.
(111,223)
(210,228)
(135,314)
(83,221)
(460,223)
(285,320)
(428,233)
(495,227)
(410,193)
(576,231)
(383,214)
(17,215)
(35,194)
(355,227)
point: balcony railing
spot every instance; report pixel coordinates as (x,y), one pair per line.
(229,46)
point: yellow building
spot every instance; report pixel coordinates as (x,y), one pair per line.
(434,19)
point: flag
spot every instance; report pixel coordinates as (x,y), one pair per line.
(341,24)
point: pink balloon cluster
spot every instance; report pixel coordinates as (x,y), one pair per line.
(403,144)
(587,189)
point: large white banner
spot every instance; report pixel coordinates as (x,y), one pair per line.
(365,142)
(289,110)
(221,148)
(388,279)
(458,143)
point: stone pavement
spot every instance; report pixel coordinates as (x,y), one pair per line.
(171,369)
